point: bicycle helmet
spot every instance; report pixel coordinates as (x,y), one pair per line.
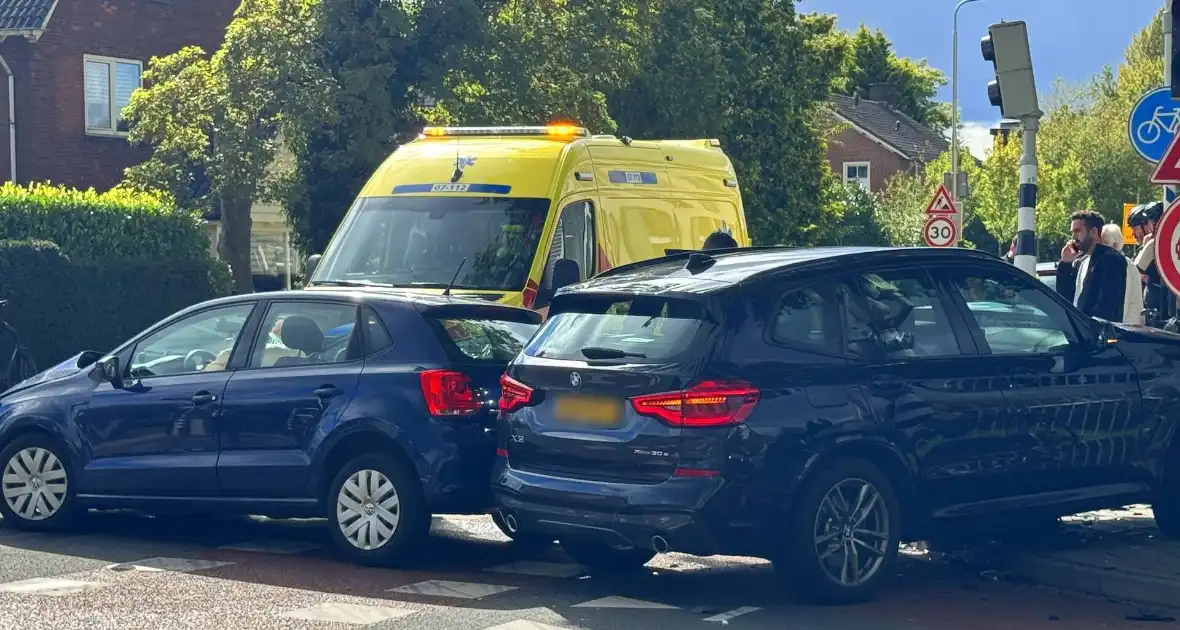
(1148,212)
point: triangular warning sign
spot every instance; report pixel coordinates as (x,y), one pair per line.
(1168,170)
(941,204)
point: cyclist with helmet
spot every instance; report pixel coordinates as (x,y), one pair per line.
(1156,302)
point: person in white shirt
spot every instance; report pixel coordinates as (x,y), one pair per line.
(1112,237)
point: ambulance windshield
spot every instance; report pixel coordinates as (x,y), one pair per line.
(419,242)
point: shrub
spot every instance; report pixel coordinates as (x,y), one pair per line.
(88,225)
(61,307)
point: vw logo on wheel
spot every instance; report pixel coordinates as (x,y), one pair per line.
(575,380)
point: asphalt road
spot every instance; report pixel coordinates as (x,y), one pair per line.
(128,572)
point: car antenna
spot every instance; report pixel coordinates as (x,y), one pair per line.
(447,291)
(458,174)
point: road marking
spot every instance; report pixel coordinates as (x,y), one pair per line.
(55,587)
(280,547)
(539,569)
(624,602)
(445,588)
(356,614)
(525,624)
(730,614)
(179,565)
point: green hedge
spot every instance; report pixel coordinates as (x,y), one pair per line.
(88,225)
(62,307)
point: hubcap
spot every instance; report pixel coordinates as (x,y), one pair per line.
(34,482)
(852,532)
(368,509)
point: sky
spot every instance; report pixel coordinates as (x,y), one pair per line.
(1069,39)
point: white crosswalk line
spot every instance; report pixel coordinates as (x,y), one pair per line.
(280,547)
(180,565)
(55,587)
(446,588)
(525,624)
(730,614)
(615,601)
(355,614)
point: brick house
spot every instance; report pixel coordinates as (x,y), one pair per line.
(876,141)
(67,67)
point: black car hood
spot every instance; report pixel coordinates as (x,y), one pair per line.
(1136,332)
(59,372)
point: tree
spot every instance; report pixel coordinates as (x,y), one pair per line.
(756,75)
(869,59)
(216,124)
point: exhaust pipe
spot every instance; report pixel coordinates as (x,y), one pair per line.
(658,544)
(510,521)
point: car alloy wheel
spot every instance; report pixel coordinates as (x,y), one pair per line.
(852,532)
(368,509)
(35,484)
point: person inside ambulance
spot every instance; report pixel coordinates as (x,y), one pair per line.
(720,239)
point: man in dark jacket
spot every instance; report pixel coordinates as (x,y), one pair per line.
(1097,284)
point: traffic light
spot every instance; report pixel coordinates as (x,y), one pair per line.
(1014,90)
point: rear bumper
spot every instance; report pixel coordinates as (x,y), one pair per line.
(687,513)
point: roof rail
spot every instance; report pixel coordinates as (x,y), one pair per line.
(685,254)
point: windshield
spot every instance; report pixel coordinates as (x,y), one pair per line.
(419,241)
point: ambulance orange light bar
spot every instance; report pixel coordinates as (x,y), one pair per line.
(568,131)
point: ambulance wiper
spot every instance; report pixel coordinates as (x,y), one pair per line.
(596,353)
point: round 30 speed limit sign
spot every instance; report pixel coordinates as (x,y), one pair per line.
(940,232)
(1167,247)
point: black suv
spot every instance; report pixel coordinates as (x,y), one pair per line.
(818,406)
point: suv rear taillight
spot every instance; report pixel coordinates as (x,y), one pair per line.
(514,394)
(706,404)
(448,393)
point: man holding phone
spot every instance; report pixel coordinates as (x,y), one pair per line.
(1090,274)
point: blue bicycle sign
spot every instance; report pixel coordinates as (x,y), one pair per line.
(1153,124)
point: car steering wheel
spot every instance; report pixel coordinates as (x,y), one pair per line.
(196,360)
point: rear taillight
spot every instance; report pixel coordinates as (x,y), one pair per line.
(706,404)
(448,393)
(514,394)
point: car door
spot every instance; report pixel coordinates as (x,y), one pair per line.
(1078,405)
(157,435)
(303,369)
(927,386)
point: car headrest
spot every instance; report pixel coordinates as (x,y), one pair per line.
(302,334)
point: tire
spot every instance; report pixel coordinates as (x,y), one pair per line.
(520,539)
(404,508)
(39,464)
(818,580)
(602,557)
(1166,504)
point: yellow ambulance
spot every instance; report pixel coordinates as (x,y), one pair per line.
(510,214)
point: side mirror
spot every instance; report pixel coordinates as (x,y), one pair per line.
(1105,334)
(566,272)
(112,371)
(313,261)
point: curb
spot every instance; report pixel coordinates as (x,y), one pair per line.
(1111,583)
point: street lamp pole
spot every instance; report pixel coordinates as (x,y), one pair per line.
(955,103)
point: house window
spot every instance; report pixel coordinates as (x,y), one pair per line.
(109,84)
(857,173)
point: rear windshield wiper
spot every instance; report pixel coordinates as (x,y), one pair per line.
(595,353)
(347,283)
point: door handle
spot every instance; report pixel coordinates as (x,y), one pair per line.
(328,391)
(203,398)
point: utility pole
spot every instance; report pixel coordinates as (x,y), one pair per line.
(955,107)
(1014,91)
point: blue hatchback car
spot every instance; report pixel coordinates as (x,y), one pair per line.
(372,409)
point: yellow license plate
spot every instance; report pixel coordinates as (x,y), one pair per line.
(589,410)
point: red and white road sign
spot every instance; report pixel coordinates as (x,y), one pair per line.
(942,204)
(940,231)
(1168,169)
(1167,247)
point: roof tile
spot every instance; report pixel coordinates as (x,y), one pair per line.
(915,140)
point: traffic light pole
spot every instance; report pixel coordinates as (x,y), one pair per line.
(1026,214)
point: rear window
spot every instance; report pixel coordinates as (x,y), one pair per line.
(490,340)
(639,329)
